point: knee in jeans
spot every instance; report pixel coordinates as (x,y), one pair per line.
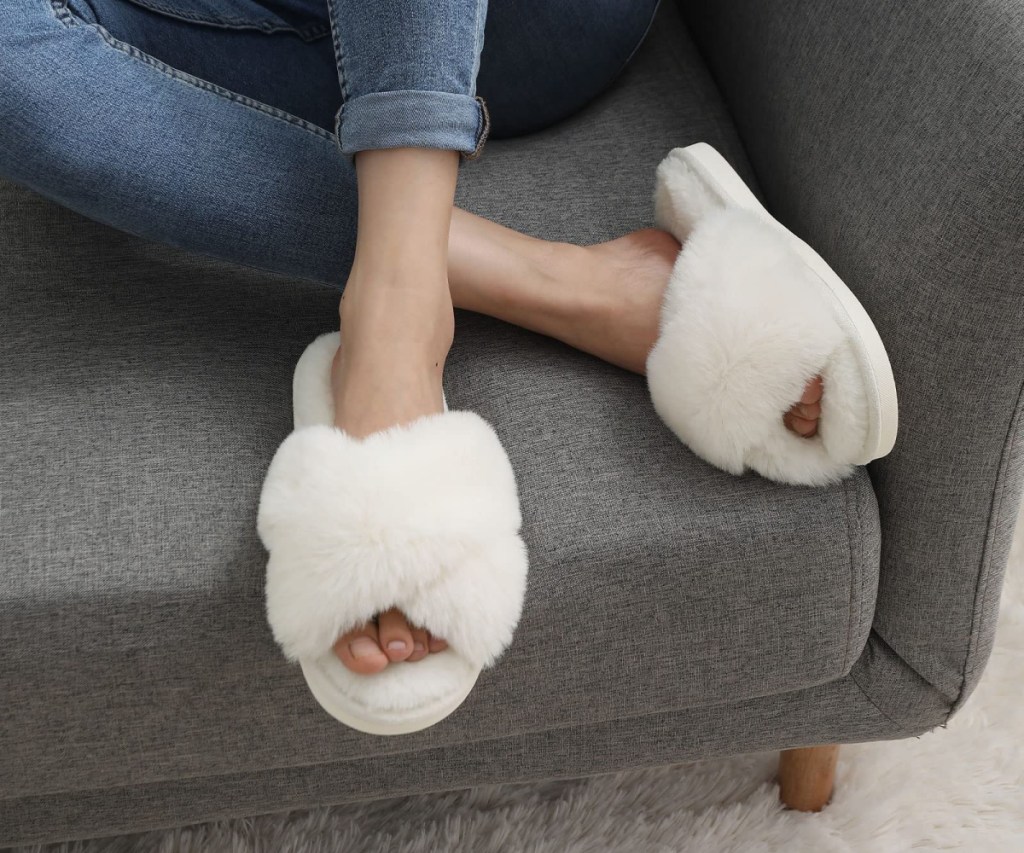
(544,60)
(40,109)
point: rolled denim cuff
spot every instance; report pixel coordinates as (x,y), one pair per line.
(413,119)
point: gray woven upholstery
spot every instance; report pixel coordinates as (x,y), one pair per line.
(674,612)
(890,137)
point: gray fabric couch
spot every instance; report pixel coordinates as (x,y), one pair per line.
(674,612)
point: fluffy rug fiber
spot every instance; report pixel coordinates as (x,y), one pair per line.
(958,788)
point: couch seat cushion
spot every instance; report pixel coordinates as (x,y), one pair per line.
(144,391)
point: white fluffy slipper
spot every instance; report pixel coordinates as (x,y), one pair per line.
(751,314)
(423,517)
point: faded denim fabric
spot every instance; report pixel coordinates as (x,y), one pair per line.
(214,125)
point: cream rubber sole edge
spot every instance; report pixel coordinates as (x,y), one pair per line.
(883,419)
(339,706)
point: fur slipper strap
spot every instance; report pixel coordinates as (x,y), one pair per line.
(423,517)
(744,326)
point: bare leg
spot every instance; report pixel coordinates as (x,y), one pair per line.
(397,320)
(397,325)
(604,299)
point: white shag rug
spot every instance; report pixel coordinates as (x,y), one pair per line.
(959,788)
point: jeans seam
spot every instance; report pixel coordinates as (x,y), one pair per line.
(638,45)
(68,19)
(309,31)
(483,130)
(483,126)
(478,42)
(339,58)
(63,13)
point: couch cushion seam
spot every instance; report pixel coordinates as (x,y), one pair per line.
(983,585)
(861,509)
(896,726)
(850,567)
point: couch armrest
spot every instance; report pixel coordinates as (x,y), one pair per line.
(890,135)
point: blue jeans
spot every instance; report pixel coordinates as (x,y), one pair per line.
(224,126)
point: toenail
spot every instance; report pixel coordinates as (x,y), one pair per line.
(418,647)
(363,647)
(396,645)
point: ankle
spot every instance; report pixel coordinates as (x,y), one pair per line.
(541,286)
(570,276)
(407,312)
(422,272)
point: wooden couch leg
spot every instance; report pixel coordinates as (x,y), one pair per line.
(806,776)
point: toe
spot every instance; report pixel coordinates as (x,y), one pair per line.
(801,426)
(807,411)
(436,644)
(813,391)
(803,417)
(395,635)
(420,647)
(360,651)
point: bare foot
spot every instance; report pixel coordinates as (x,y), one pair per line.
(614,302)
(395,338)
